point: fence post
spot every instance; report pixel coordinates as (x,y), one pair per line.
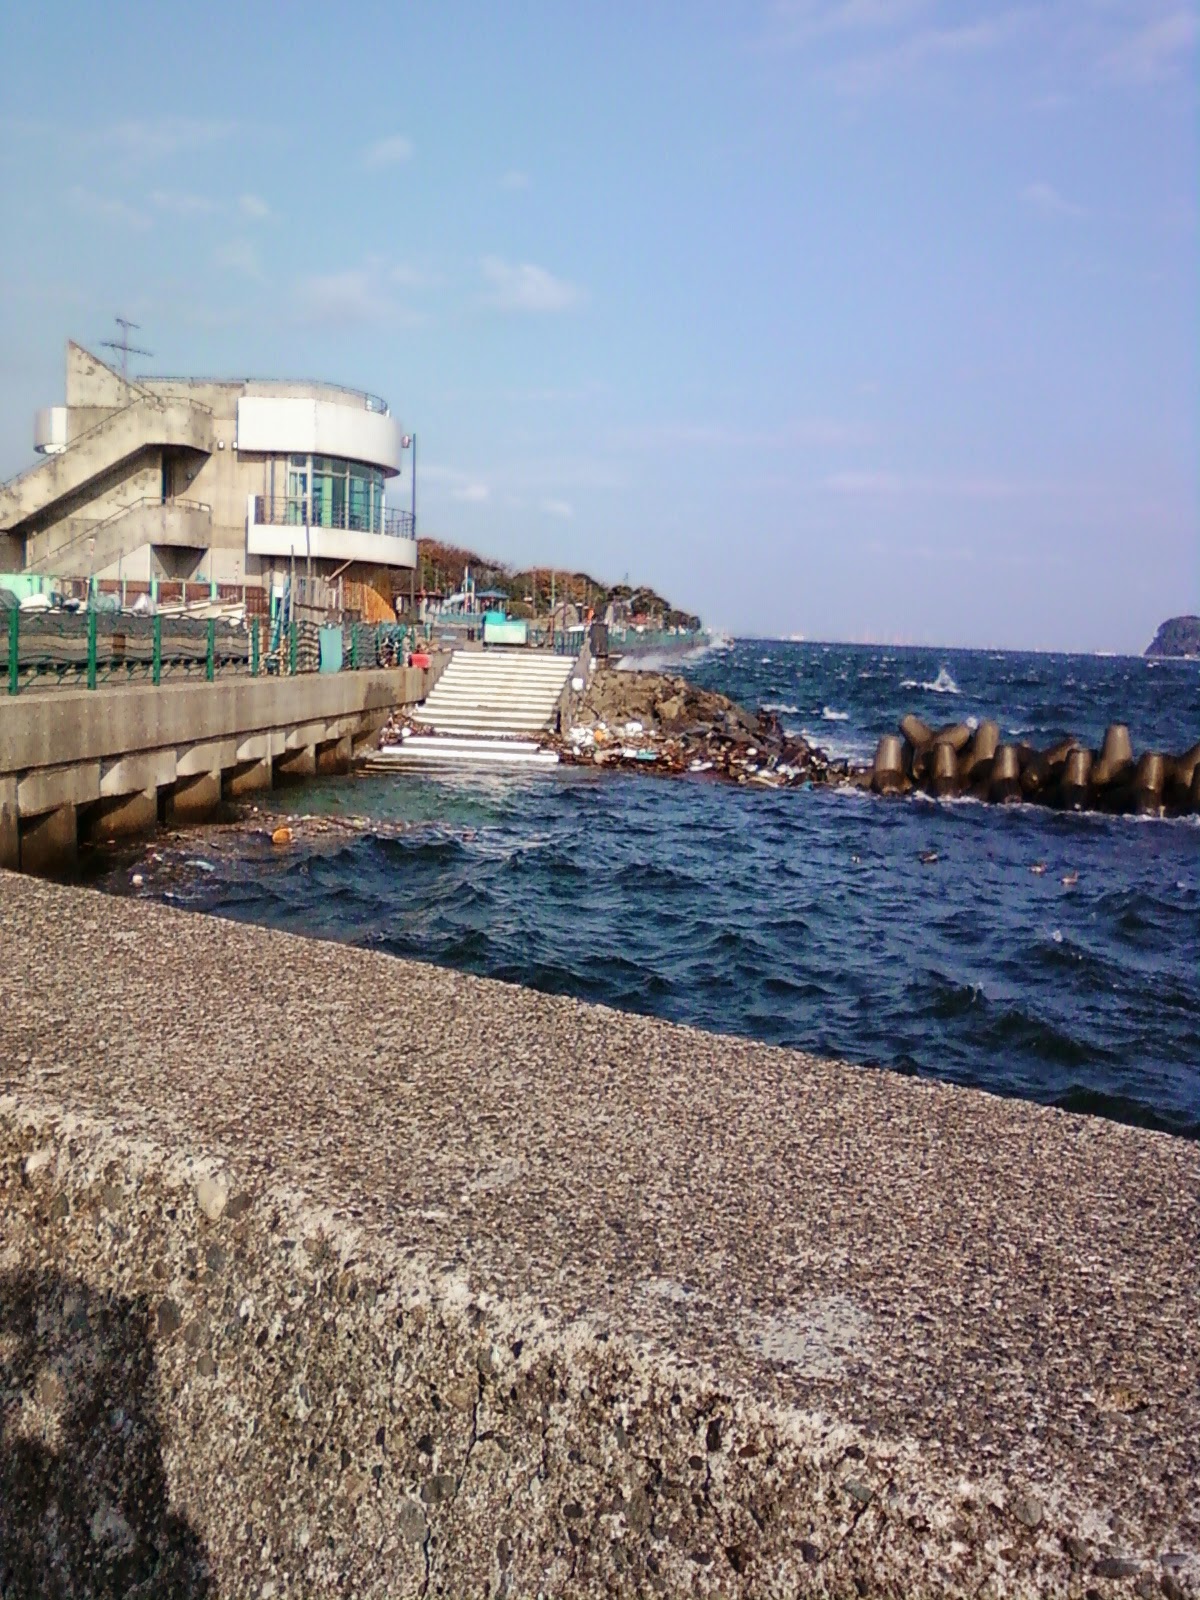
(156,667)
(91,657)
(210,653)
(353,645)
(14,651)
(254,647)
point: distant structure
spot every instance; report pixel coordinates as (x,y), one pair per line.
(229,482)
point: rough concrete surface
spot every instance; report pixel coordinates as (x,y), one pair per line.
(326,1273)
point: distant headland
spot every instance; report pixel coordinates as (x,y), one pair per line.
(535,591)
(1178,636)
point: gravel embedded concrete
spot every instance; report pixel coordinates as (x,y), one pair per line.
(406,1282)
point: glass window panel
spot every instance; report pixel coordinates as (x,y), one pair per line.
(297,493)
(360,499)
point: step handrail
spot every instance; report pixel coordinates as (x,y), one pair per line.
(45,566)
(143,397)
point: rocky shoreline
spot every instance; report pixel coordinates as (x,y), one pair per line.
(661,723)
(666,724)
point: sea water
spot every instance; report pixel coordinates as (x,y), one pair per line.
(813,918)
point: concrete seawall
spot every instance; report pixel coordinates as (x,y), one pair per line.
(326,1273)
(75,763)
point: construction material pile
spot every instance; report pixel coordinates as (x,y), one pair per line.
(665,724)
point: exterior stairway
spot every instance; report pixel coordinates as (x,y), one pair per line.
(147,422)
(484,708)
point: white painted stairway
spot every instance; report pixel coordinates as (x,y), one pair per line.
(484,708)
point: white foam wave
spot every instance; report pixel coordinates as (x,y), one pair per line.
(830,715)
(664,660)
(850,749)
(779,706)
(942,684)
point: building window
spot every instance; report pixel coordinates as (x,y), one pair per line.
(327,492)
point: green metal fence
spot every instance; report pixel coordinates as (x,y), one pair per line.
(93,649)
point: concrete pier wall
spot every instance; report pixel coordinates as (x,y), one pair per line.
(390,1281)
(68,759)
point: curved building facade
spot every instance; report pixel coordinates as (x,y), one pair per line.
(229,482)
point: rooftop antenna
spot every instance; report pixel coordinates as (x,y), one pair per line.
(123,345)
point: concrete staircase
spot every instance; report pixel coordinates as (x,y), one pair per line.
(75,547)
(147,422)
(484,708)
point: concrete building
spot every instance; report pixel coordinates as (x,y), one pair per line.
(153,480)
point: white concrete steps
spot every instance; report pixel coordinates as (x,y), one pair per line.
(500,723)
(479,709)
(438,750)
(489,692)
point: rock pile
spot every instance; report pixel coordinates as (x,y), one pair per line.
(957,760)
(666,724)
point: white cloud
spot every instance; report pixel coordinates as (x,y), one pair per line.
(558,508)
(256,209)
(865,46)
(892,485)
(352,296)
(102,208)
(181,204)
(1154,51)
(407,276)
(947,42)
(239,255)
(797,22)
(1045,199)
(473,493)
(796,434)
(393,151)
(521,286)
(513,179)
(349,296)
(140,139)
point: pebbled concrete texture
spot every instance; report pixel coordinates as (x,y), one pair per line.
(322,1272)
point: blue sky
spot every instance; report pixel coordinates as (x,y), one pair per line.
(856,318)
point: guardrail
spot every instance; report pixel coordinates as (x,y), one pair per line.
(298,511)
(89,649)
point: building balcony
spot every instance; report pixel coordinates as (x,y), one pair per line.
(285,527)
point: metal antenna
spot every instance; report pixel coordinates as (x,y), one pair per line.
(123,345)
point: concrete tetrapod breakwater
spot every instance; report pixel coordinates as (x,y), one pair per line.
(959,759)
(326,1273)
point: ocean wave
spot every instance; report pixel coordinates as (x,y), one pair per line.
(650,895)
(850,749)
(942,684)
(667,660)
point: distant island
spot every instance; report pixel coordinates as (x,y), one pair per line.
(536,590)
(1178,636)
